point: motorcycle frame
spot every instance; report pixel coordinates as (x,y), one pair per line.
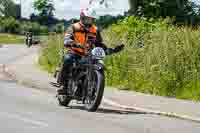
(86,71)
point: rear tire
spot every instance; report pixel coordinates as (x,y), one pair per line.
(99,94)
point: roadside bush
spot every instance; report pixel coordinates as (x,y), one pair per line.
(37,29)
(50,54)
(11,25)
(59,28)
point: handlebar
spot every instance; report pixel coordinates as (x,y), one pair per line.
(109,51)
(74,45)
(78,46)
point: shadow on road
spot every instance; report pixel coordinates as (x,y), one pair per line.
(108,110)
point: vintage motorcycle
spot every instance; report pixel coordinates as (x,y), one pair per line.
(87,80)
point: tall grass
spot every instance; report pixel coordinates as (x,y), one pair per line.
(161,60)
(50,56)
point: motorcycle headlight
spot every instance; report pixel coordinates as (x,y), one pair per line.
(98,53)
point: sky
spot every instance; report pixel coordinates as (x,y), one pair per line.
(71,8)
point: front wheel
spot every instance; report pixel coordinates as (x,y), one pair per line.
(95,91)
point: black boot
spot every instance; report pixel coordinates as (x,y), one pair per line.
(62,83)
(62,90)
(63,77)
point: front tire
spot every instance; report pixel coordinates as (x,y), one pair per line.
(100,84)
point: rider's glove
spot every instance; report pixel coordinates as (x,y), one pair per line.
(109,51)
(118,48)
(76,45)
(69,44)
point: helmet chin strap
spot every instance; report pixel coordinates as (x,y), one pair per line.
(85,26)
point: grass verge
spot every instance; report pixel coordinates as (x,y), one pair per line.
(11,39)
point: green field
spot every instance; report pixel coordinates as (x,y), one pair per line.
(11,39)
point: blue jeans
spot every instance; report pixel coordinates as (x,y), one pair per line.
(69,59)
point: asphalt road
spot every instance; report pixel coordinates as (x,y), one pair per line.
(27,110)
(10,53)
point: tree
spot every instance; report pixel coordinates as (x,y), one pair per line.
(7,8)
(106,20)
(157,8)
(185,11)
(133,6)
(45,9)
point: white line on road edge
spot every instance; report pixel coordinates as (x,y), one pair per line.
(149,111)
(26,120)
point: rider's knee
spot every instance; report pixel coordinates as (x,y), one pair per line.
(68,60)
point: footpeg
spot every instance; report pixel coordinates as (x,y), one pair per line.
(55,84)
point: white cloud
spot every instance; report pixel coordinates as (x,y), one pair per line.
(66,9)
(115,7)
(70,8)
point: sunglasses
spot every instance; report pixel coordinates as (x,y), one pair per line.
(87,20)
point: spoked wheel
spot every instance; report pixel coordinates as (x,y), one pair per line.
(95,91)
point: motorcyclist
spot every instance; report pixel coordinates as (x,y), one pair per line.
(29,39)
(80,33)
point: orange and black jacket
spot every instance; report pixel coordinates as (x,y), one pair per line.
(78,34)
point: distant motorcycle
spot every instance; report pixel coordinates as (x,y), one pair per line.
(87,81)
(29,39)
